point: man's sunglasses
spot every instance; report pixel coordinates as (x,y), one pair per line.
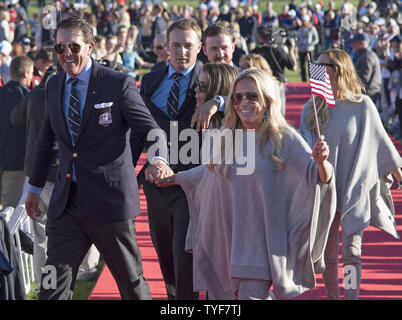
(61,47)
(201,86)
(237,98)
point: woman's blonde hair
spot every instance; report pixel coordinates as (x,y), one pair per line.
(346,83)
(273,125)
(258,61)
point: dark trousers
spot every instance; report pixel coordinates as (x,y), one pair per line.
(303,62)
(376,98)
(168,215)
(69,238)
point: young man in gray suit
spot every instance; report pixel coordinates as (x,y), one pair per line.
(89,111)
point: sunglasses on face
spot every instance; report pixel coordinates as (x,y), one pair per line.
(201,86)
(328,65)
(237,98)
(61,47)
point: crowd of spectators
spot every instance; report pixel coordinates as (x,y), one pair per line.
(131,34)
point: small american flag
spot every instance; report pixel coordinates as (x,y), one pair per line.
(320,84)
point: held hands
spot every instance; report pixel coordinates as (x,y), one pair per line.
(32,205)
(160,174)
(203,114)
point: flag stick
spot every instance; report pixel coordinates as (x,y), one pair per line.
(317,127)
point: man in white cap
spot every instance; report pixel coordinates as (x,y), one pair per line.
(291,23)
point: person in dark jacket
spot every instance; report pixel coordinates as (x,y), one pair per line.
(248,27)
(159,24)
(12,140)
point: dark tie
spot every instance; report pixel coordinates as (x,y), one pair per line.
(74,117)
(173,99)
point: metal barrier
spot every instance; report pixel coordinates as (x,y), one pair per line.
(18,219)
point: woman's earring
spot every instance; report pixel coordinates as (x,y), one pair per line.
(266,115)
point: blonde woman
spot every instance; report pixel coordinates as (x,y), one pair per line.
(258,61)
(363,157)
(254,60)
(251,232)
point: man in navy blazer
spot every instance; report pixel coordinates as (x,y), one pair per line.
(167,207)
(95,198)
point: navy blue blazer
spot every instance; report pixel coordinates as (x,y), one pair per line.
(12,139)
(106,181)
(149,84)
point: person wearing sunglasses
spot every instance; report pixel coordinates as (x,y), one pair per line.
(218,47)
(255,60)
(363,157)
(160,50)
(265,229)
(90,109)
(214,79)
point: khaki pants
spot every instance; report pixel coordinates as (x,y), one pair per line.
(351,257)
(248,289)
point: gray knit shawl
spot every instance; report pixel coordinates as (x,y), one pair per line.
(264,226)
(363,156)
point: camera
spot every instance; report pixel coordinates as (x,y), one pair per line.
(272,37)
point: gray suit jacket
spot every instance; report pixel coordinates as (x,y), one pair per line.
(368,69)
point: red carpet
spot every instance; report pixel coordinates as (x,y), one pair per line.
(381,253)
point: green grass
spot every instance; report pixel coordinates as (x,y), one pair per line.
(82,289)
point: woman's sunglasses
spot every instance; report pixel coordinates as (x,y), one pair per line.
(237,98)
(201,86)
(61,47)
(328,65)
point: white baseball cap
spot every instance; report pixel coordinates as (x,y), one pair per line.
(5,47)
